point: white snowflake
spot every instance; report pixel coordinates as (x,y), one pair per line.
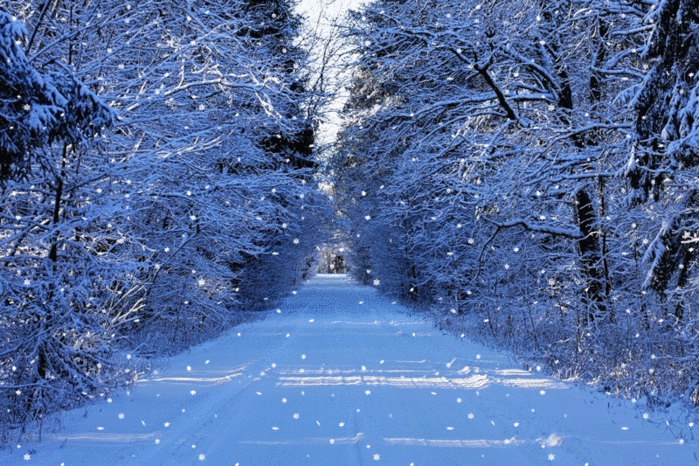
(296,415)
(470,415)
(377,457)
(121,415)
(551,457)
(202,457)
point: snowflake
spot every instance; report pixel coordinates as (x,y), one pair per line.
(645,415)
(202,457)
(167,424)
(458,400)
(193,392)
(470,415)
(121,415)
(157,441)
(551,457)
(283,400)
(377,282)
(377,457)
(296,415)
(303,356)
(27,457)
(368,392)
(296,241)
(342,424)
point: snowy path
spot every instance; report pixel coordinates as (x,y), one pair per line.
(341,377)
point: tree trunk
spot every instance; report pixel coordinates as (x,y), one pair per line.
(594,296)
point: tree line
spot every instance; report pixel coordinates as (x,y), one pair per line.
(526,172)
(156,179)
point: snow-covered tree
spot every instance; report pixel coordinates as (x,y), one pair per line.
(663,158)
(483,163)
(198,202)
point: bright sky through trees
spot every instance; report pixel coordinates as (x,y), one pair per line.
(322,16)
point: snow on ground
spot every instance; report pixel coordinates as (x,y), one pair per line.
(340,376)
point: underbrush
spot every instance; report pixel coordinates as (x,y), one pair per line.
(650,361)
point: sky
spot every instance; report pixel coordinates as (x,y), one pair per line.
(324,13)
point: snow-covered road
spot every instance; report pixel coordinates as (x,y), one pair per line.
(341,377)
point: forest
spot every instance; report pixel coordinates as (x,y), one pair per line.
(521,172)
(157,185)
(525,173)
